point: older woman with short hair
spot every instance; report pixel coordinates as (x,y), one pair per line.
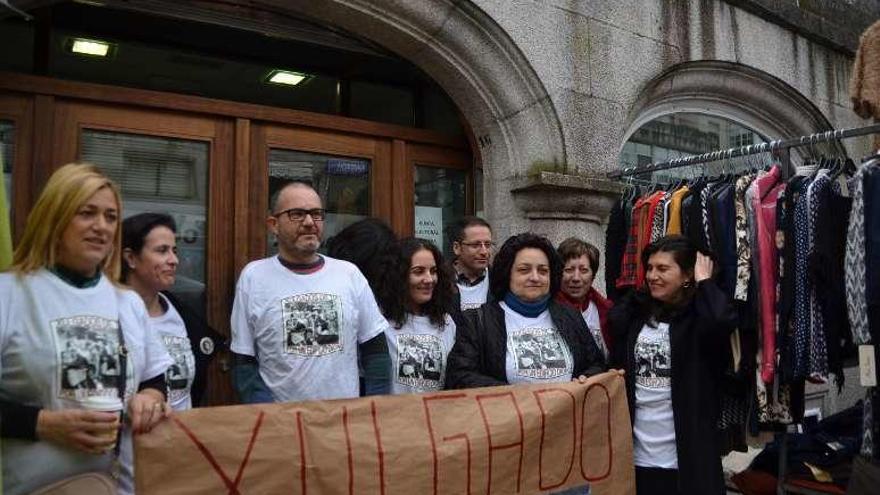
(70,339)
(501,345)
(580,263)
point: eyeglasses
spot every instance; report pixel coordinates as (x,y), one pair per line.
(299,214)
(488,245)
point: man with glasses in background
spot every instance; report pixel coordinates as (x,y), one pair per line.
(300,319)
(473,246)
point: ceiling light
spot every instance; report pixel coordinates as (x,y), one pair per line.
(287,78)
(92,48)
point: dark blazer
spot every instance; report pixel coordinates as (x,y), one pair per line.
(699,337)
(479,355)
(205,343)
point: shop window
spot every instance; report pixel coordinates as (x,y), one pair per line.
(161,175)
(440,199)
(685,134)
(7,157)
(343,183)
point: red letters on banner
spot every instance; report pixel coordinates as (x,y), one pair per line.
(563,421)
(231,485)
(565,393)
(492,447)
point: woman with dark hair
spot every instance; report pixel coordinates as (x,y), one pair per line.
(422,332)
(523,335)
(149,266)
(372,246)
(672,340)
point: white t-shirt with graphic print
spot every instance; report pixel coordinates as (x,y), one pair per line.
(59,345)
(474,296)
(654,428)
(418,354)
(536,352)
(304,328)
(591,317)
(180,375)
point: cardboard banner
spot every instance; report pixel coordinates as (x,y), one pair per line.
(497,440)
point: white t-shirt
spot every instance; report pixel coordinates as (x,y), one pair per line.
(418,354)
(180,375)
(58,345)
(304,329)
(474,296)
(654,428)
(536,352)
(591,317)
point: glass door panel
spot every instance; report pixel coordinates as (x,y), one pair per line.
(342,183)
(161,175)
(440,200)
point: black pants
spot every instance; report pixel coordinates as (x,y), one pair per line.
(656,481)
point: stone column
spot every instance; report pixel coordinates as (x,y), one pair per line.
(561,206)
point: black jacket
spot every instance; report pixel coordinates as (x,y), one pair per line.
(699,338)
(204,341)
(479,355)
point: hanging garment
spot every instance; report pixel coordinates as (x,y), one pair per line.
(705,217)
(786,336)
(817,194)
(801,314)
(723,229)
(686,208)
(767,189)
(872,248)
(629,261)
(743,250)
(675,211)
(854,262)
(615,244)
(827,269)
(658,226)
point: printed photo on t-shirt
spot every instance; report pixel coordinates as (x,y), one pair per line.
(311,324)
(420,361)
(654,358)
(540,353)
(180,373)
(88,350)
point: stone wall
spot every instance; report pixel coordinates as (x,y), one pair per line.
(595,57)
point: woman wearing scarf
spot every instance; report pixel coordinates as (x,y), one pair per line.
(580,262)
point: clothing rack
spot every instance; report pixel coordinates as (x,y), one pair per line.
(781,150)
(778,147)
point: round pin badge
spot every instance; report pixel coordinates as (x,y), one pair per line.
(206,345)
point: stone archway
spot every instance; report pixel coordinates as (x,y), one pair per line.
(734,91)
(465,51)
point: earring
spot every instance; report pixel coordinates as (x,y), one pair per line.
(688,284)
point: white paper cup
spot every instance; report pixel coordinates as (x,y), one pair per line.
(105,404)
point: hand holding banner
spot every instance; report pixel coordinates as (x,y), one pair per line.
(514,439)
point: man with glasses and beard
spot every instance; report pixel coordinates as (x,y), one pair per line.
(282,299)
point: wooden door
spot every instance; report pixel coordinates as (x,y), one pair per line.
(176,163)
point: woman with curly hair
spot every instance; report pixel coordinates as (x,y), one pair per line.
(422,332)
(524,335)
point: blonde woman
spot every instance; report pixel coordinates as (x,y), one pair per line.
(72,344)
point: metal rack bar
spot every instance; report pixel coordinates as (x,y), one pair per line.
(781,145)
